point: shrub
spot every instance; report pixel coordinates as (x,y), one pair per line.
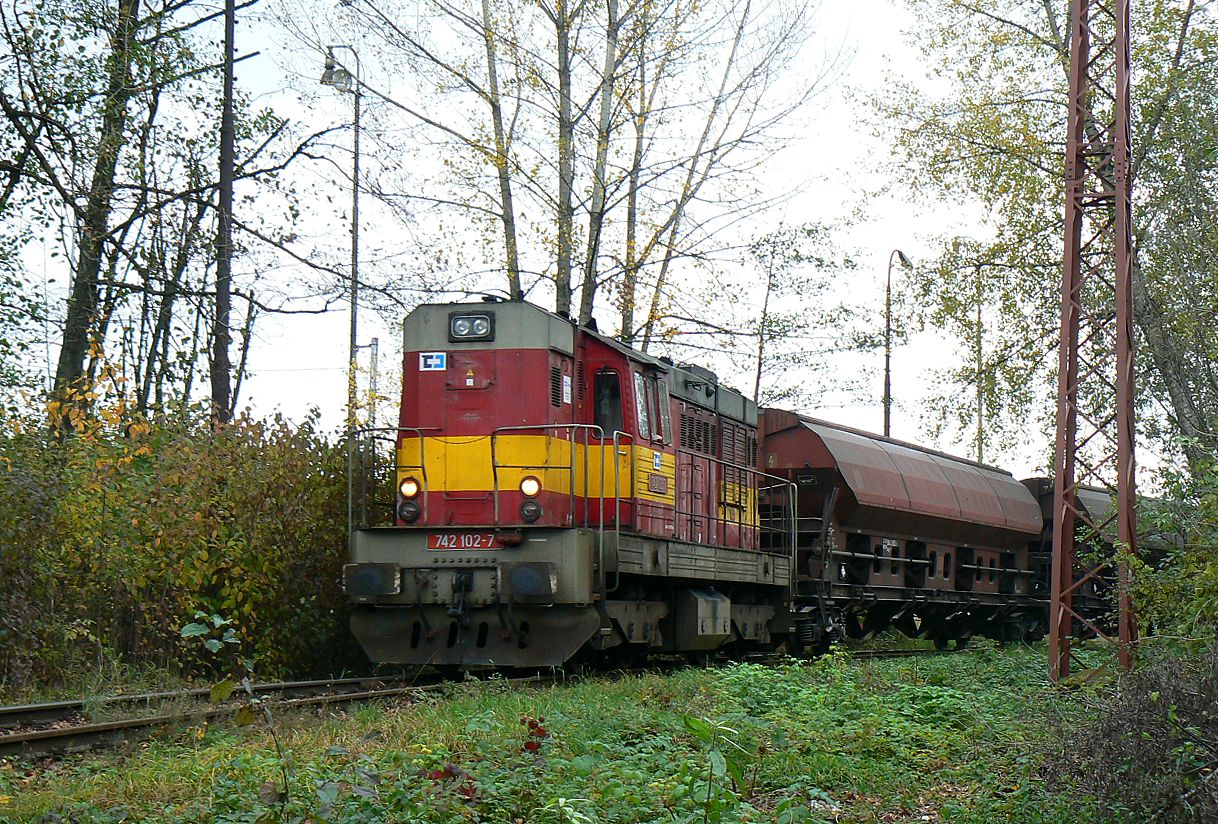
(1176,595)
(112,539)
(1150,748)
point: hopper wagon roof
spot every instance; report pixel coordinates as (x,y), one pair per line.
(885,474)
(1098,505)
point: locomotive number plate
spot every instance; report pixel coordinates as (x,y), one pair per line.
(463,540)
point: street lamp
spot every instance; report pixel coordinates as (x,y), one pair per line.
(336,75)
(896,254)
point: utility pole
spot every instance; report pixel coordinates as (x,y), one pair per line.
(980,376)
(336,75)
(1095,445)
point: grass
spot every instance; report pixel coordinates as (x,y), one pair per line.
(103,676)
(947,738)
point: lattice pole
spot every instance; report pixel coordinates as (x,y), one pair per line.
(1095,443)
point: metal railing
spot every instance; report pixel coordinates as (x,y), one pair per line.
(367,470)
(372,474)
(618,435)
(731,510)
(587,432)
(580,435)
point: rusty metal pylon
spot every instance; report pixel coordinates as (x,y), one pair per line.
(1095,437)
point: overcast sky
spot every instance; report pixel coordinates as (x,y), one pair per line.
(299,361)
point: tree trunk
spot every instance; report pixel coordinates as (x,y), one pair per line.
(596,213)
(158,349)
(566,164)
(188,383)
(630,273)
(221,368)
(693,181)
(502,158)
(1167,356)
(763,325)
(82,301)
(247,333)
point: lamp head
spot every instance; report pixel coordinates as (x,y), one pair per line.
(335,75)
(904,260)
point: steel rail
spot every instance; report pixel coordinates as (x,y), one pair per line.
(869,654)
(75,738)
(52,711)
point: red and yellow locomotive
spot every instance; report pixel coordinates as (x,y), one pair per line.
(558,493)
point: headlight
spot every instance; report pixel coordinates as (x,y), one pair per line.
(471,327)
(530,511)
(408,488)
(530,486)
(408,511)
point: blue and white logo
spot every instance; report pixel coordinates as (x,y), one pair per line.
(655,461)
(433,361)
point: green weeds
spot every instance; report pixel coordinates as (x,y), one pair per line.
(952,738)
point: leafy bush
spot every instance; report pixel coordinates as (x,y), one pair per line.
(1176,595)
(111,540)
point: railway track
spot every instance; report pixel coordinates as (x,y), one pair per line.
(61,727)
(26,715)
(58,728)
(870,654)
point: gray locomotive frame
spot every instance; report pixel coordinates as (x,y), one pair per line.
(538,604)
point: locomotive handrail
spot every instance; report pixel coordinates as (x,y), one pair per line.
(617,502)
(726,512)
(752,478)
(584,428)
(372,434)
(587,430)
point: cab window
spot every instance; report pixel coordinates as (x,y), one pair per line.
(640,405)
(607,406)
(663,425)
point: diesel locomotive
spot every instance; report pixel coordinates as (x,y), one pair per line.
(558,495)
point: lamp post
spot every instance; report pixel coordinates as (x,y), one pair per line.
(896,254)
(979,261)
(336,75)
(980,373)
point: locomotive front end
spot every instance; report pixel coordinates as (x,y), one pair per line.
(511,602)
(493,554)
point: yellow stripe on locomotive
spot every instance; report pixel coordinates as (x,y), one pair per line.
(466,464)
